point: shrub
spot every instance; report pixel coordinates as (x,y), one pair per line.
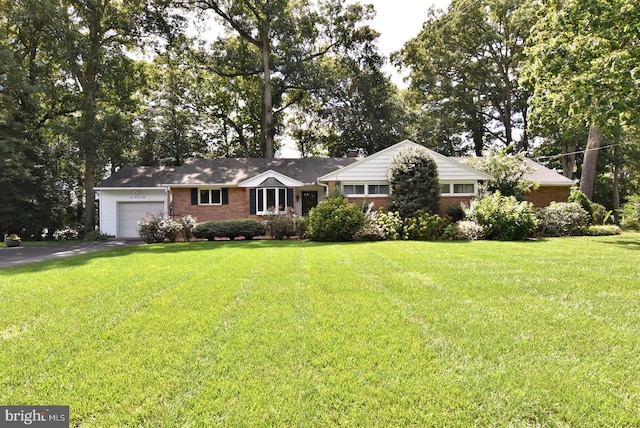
(301,226)
(188,223)
(170,227)
(508,172)
(456,213)
(600,214)
(371,231)
(467,230)
(280,226)
(631,213)
(66,234)
(504,217)
(580,198)
(149,228)
(604,230)
(413,180)
(426,227)
(335,220)
(206,230)
(248,228)
(391,224)
(95,235)
(231,229)
(563,219)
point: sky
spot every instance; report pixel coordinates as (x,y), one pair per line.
(399,21)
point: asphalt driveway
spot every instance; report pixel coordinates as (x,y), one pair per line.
(21,255)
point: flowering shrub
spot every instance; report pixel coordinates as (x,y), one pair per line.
(66,234)
(280,226)
(170,227)
(467,230)
(188,223)
(564,219)
(149,228)
(427,227)
(391,224)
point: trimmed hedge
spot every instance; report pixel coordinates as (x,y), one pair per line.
(232,229)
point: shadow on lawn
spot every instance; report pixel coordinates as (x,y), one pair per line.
(627,242)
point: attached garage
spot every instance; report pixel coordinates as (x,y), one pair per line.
(130,213)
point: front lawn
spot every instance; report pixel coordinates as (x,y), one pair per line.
(290,333)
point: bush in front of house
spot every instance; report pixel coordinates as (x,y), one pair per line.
(335,220)
(504,218)
(149,228)
(231,229)
(413,181)
(391,224)
(423,226)
(456,212)
(631,213)
(468,230)
(281,226)
(563,219)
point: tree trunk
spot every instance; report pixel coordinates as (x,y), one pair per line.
(588,178)
(267,111)
(568,159)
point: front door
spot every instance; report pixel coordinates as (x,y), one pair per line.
(309,200)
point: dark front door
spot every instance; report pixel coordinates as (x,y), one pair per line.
(309,200)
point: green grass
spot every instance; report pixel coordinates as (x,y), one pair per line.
(277,333)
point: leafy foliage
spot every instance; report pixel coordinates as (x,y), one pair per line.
(334,220)
(391,224)
(427,227)
(231,229)
(281,226)
(604,230)
(413,180)
(580,198)
(631,213)
(507,170)
(563,219)
(504,218)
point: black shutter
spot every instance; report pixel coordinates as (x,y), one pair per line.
(290,197)
(252,201)
(225,196)
(194,196)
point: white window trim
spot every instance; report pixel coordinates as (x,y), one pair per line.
(366,189)
(209,189)
(451,188)
(276,209)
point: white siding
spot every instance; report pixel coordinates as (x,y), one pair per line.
(109,200)
(375,167)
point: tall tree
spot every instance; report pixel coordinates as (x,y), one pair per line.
(582,64)
(96,37)
(33,94)
(281,41)
(468,80)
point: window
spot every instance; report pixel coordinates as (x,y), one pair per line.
(353,189)
(378,189)
(210,197)
(271,200)
(445,188)
(365,189)
(467,188)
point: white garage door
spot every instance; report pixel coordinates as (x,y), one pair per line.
(130,213)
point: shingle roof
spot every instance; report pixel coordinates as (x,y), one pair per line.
(138,176)
(223,171)
(540,174)
(545,176)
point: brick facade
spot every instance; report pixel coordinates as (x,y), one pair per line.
(544,195)
(238,207)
